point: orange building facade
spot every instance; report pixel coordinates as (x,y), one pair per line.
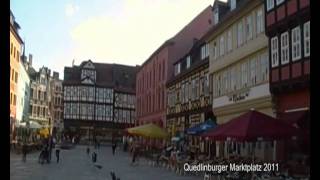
(15,54)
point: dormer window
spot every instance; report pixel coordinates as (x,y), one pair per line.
(188,61)
(177,69)
(204,51)
(233,4)
(88,74)
(216,15)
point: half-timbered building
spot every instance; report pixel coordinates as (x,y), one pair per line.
(288,30)
(188,92)
(99,96)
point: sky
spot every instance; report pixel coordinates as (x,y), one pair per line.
(108,31)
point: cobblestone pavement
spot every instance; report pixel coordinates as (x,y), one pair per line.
(75,164)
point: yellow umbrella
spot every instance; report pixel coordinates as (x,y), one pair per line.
(148,130)
(44,132)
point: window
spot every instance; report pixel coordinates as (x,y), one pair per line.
(16,77)
(204,51)
(233,4)
(188,61)
(222,45)
(264,67)
(249,27)
(260,21)
(279,2)
(30,109)
(177,69)
(240,34)
(244,73)
(88,73)
(306,37)
(39,92)
(18,55)
(296,47)
(14,52)
(233,78)
(206,84)
(193,89)
(197,88)
(229,40)
(274,52)
(12,74)
(284,48)
(270,4)
(215,50)
(11,48)
(253,71)
(224,81)
(38,111)
(14,99)
(186,92)
(216,16)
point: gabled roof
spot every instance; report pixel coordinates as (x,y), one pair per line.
(121,77)
(241,5)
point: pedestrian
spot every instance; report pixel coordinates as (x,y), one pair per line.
(135,153)
(88,151)
(24,152)
(94,157)
(54,141)
(114,146)
(125,146)
(58,154)
(46,154)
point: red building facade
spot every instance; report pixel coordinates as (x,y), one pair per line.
(288,29)
(157,70)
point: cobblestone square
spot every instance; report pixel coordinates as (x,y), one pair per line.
(75,164)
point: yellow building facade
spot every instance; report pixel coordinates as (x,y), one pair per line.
(239,64)
(239,68)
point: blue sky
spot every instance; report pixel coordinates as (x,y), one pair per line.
(110,31)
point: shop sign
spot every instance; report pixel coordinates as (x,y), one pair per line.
(238,96)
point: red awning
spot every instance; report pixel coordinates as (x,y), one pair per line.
(251,126)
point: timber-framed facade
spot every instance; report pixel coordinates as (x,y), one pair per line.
(189,101)
(99,96)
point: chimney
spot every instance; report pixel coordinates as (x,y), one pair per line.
(30,60)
